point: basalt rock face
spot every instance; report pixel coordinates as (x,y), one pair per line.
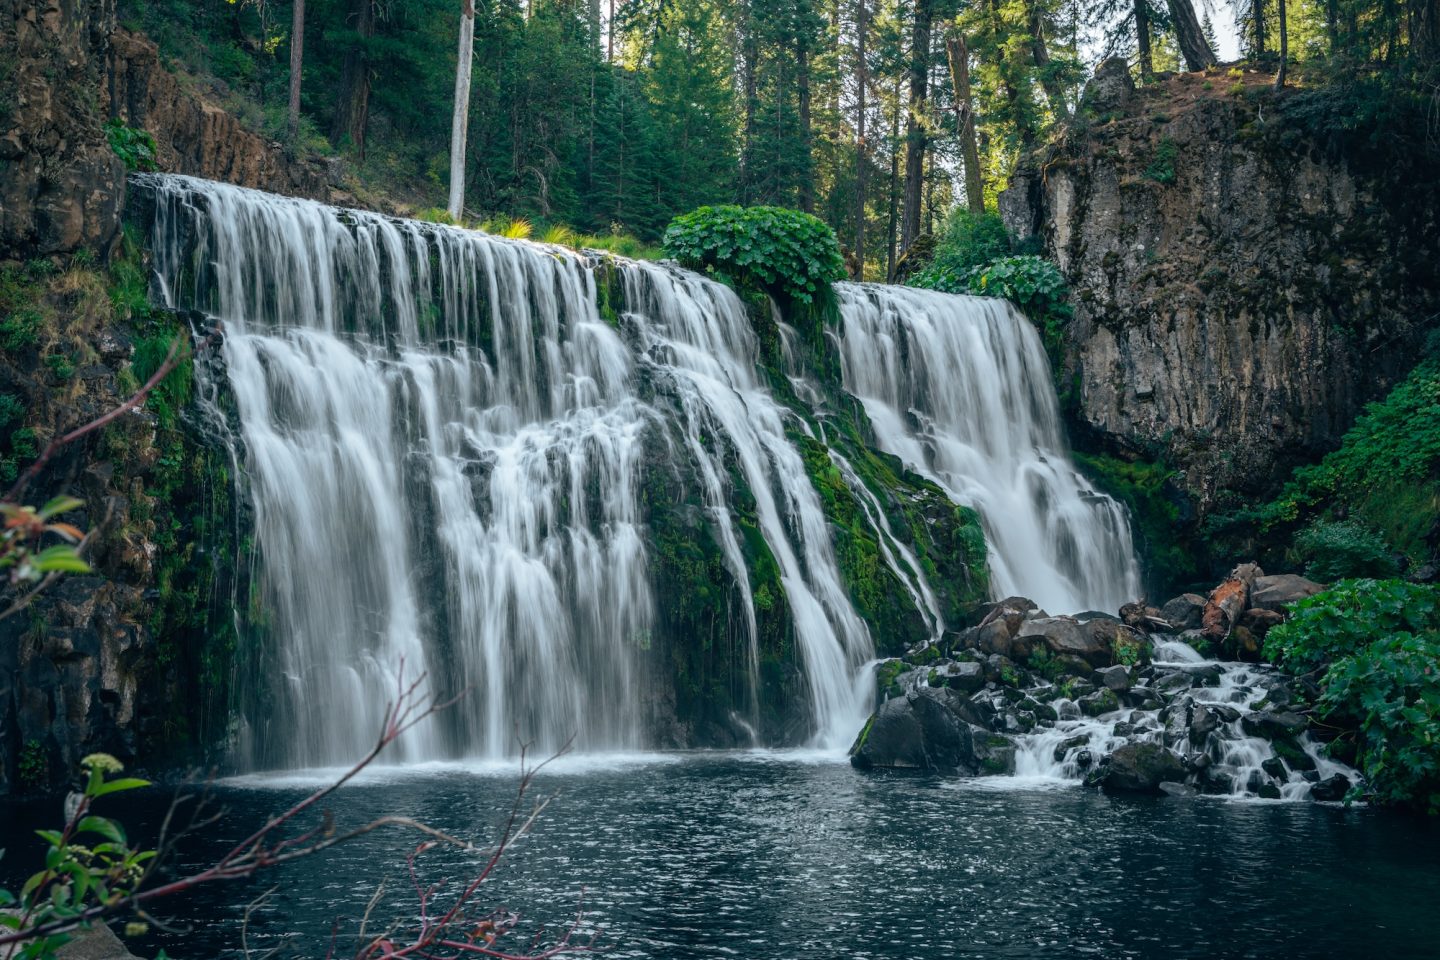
(1241,287)
(69,70)
(195,136)
(60,183)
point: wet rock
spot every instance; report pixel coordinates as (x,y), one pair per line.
(1275,593)
(1259,621)
(1116,678)
(1331,789)
(1173,789)
(915,732)
(1098,703)
(1084,759)
(1274,725)
(994,754)
(1064,635)
(1275,767)
(1184,612)
(1295,758)
(1269,791)
(1203,721)
(1141,768)
(965,676)
(1063,748)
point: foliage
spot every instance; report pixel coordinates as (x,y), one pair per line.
(34,767)
(968,241)
(1337,549)
(135,148)
(789,254)
(22,558)
(1381,641)
(77,876)
(1162,164)
(1384,479)
(1391,689)
(1342,620)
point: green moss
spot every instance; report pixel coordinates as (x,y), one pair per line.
(1145,488)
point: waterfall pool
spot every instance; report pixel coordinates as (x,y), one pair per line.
(795,855)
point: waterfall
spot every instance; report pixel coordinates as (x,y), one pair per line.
(442,437)
(960,388)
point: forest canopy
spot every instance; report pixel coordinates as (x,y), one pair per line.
(614,116)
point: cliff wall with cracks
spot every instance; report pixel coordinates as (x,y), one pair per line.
(68,71)
(1242,284)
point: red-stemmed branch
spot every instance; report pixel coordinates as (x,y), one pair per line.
(451,933)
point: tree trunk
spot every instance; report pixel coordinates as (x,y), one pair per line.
(890,253)
(965,121)
(460,117)
(1284,48)
(802,85)
(1142,34)
(862,27)
(297,57)
(1041,55)
(352,111)
(749,55)
(1257,27)
(915,138)
(1193,45)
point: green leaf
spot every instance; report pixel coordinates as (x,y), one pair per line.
(106,828)
(116,786)
(60,558)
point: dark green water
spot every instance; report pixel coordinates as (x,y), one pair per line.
(783,856)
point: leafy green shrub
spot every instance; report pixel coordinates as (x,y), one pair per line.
(135,148)
(1162,164)
(966,242)
(34,768)
(1343,619)
(21,329)
(1391,691)
(1386,473)
(1339,549)
(60,366)
(1033,284)
(1381,639)
(172,393)
(789,254)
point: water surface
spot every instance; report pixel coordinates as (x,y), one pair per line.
(771,855)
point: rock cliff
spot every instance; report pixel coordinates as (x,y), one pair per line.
(1243,283)
(70,70)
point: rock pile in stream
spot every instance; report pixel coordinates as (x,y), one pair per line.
(1168,699)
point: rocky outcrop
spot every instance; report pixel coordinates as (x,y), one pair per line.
(60,183)
(1242,285)
(195,135)
(69,70)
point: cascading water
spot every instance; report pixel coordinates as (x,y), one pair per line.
(442,442)
(959,388)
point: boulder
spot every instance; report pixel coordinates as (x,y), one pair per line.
(1277,592)
(1115,678)
(1275,767)
(1098,703)
(1259,621)
(915,732)
(1141,768)
(1330,789)
(1184,612)
(994,754)
(1172,789)
(964,675)
(1110,90)
(1274,724)
(1067,636)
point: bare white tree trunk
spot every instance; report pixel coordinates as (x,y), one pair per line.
(461,121)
